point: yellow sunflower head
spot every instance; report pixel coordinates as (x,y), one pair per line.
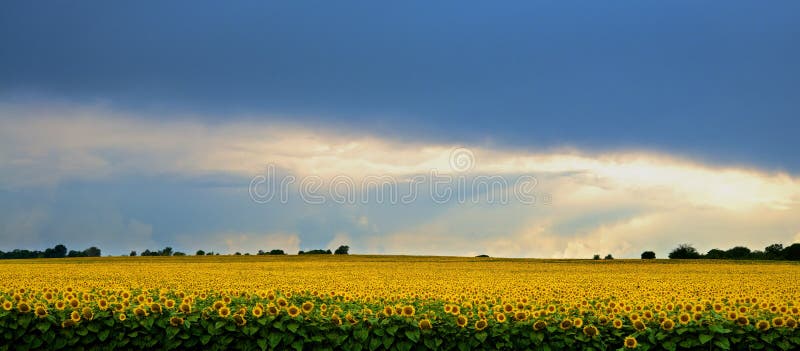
(630,342)
(590,331)
(481,324)
(425,324)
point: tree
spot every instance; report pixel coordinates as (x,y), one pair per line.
(774,252)
(200,253)
(738,253)
(92,252)
(716,254)
(178,253)
(60,251)
(276,252)
(792,252)
(684,251)
(132,254)
(237,253)
(648,255)
(596,257)
(342,250)
(609,257)
(167,251)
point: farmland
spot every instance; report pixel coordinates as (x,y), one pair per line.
(396,303)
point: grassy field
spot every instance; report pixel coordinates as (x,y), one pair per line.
(397,302)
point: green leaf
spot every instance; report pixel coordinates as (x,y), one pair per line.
(204,339)
(103,334)
(298,345)
(43,326)
(387,341)
(723,343)
(704,338)
(375,343)
(360,334)
(292,327)
(413,335)
(481,336)
(262,343)
(274,340)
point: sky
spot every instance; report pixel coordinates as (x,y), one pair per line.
(609,128)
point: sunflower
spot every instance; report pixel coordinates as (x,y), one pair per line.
(336,320)
(639,325)
(603,320)
(75,316)
(630,342)
(778,322)
(387,310)
(684,318)
(717,307)
(169,304)
(501,318)
(307,306)
(425,324)
(273,310)
(791,322)
(462,321)
(176,321)
(520,315)
(239,320)
(7,305)
(667,324)
(122,317)
(762,325)
(281,302)
(408,311)
(224,312)
(155,308)
(565,324)
(257,312)
(742,320)
(590,331)
(185,308)
(40,311)
(60,305)
(617,323)
(218,304)
(68,323)
(293,311)
(455,310)
(23,307)
(577,322)
(481,324)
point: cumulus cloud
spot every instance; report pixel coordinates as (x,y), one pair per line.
(617,203)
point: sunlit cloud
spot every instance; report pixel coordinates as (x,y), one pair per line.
(670,198)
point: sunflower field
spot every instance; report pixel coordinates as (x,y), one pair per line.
(396,303)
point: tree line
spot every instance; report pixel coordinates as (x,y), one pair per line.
(58,251)
(771,252)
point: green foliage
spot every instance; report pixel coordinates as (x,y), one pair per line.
(282,332)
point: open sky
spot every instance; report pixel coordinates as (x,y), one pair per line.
(134,125)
